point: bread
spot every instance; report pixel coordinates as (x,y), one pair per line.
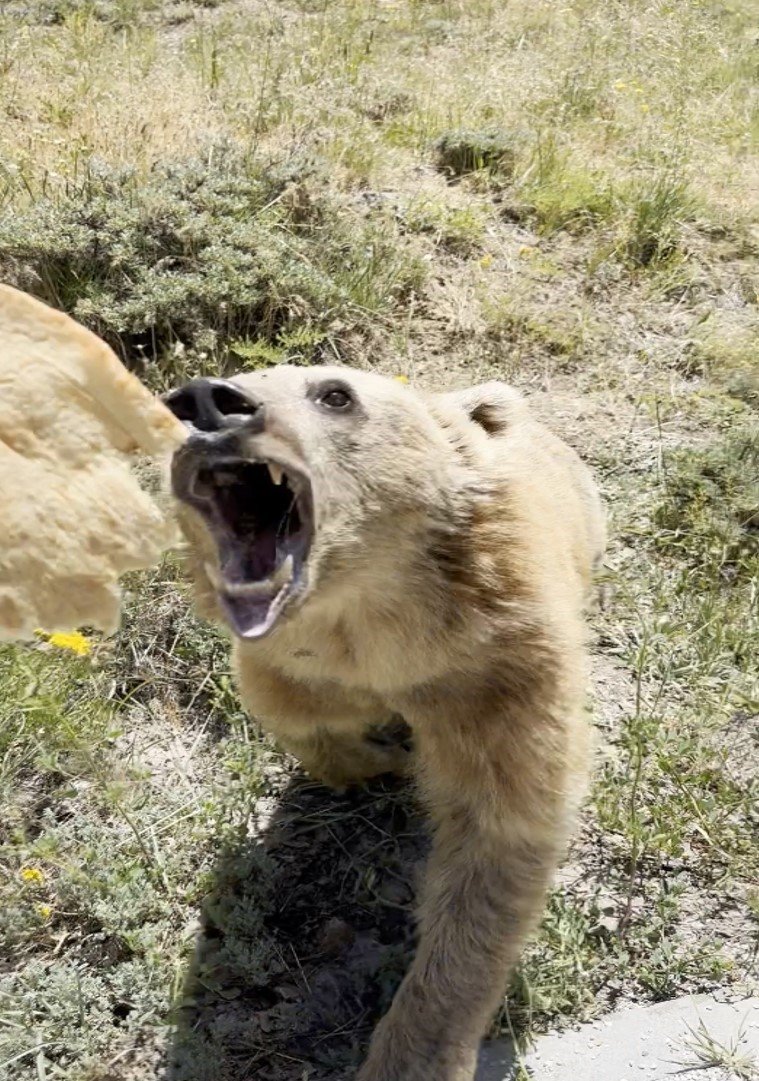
(74,517)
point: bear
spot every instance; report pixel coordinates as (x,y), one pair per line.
(384,556)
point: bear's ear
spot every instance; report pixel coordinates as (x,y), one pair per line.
(491,405)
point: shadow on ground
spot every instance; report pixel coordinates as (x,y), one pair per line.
(306,931)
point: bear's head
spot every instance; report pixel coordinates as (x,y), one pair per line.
(294,479)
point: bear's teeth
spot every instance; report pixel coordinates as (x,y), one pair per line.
(282,576)
(276,471)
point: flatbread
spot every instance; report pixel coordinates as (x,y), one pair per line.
(73,517)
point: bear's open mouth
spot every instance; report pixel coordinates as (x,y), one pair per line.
(260,514)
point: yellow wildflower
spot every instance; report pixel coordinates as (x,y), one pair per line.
(643,107)
(486,261)
(620,85)
(73,641)
(527,250)
(401,378)
(45,911)
(33,875)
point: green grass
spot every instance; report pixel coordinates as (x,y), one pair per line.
(708,1052)
(564,198)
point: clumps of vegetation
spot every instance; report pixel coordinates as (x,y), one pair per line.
(47,725)
(119,14)
(44,12)
(54,12)
(709,511)
(536,1000)
(55,728)
(562,195)
(640,221)
(388,106)
(560,333)
(654,211)
(205,251)
(259,917)
(681,789)
(732,1057)
(457,229)
(101,863)
(590,940)
(458,153)
(731,362)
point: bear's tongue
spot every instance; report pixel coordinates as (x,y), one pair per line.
(250,616)
(258,580)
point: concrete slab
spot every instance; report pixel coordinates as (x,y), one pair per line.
(646,1043)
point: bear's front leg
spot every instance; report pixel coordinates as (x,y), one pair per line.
(499,791)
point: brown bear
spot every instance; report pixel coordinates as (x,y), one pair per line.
(380,553)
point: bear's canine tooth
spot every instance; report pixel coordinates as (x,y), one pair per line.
(276,471)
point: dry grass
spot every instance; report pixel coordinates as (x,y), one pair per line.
(560,195)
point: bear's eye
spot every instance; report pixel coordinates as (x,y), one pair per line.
(335,397)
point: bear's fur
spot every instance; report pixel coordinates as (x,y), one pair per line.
(454,544)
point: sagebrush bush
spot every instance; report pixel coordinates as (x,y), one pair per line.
(203,252)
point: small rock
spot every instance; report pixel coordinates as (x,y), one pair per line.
(610,924)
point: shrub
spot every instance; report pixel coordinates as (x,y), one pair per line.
(205,251)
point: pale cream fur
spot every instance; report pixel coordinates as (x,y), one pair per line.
(74,517)
(454,554)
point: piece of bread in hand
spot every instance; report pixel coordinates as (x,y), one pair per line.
(73,517)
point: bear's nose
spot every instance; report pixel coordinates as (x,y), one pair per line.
(213,405)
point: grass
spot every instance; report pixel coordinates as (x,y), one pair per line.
(564,198)
(710,1052)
